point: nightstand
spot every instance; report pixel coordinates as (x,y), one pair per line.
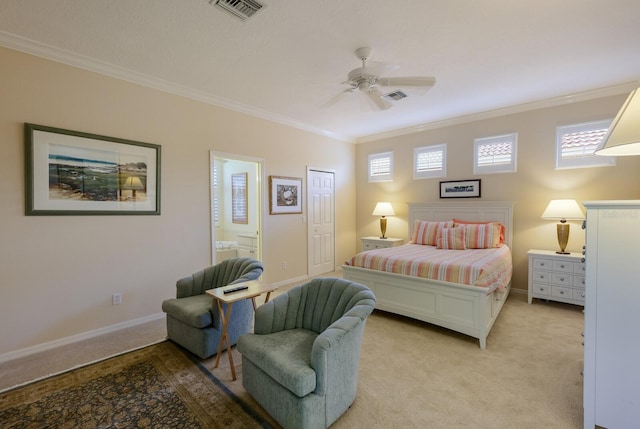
(370,243)
(556,277)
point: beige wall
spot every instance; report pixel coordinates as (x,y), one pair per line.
(532,186)
(57,273)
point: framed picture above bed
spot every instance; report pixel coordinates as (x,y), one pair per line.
(460,189)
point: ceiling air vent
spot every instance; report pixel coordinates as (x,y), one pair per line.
(243,9)
(395,95)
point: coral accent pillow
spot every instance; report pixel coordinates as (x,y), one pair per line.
(482,236)
(452,238)
(459,222)
(426,232)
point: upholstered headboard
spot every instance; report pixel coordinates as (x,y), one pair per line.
(476,211)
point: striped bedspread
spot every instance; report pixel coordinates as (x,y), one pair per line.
(489,268)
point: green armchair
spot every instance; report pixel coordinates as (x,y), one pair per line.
(301,362)
(192,317)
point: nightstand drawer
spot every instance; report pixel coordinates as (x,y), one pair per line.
(564,266)
(542,276)
(562,292)
(562,279)
(542,264)
(541,290)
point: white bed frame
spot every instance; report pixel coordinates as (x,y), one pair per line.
(461,308)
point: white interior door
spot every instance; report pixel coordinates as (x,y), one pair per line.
(321,222)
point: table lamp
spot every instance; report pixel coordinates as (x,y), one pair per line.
(623,137)
(563,210)
(133,184)
(383,209)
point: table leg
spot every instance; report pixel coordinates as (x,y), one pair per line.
(224,338)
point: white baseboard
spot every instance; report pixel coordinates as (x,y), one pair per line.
(78,337)
(290,281)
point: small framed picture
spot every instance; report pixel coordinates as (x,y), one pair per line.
(460,189)
(285,195)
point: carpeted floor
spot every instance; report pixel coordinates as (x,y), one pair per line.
(160,386)
(416,375)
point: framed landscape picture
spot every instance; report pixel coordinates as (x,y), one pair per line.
(285,195)
(74,173)
(460,189)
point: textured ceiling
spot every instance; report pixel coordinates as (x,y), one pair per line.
(287,62)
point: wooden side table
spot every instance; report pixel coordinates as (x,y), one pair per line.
(253,289)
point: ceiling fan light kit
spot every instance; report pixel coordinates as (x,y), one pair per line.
(366,80)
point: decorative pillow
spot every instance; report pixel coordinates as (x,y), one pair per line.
(452,238)
(426,232)
(459,222)
(482,236)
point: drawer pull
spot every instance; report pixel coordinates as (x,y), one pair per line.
(562,266)
(561,292)
(561,279)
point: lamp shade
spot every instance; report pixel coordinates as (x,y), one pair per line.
(133,182)
(383,209)
(563,210)
(623,137)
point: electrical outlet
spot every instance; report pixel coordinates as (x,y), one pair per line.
(116,299)
(284,265)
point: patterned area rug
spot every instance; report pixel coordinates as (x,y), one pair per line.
(159,386)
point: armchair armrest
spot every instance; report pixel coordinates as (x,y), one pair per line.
(184,287)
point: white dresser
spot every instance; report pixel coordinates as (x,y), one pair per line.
(556,277)
(612,315)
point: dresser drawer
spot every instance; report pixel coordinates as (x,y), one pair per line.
(579,268)
(578,281)
(578,295)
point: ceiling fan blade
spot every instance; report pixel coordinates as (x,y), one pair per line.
(407,81)
(376,97)
(336,98)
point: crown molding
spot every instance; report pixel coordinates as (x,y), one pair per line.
(52,53)
(623,88)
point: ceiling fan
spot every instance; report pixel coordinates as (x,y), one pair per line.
(366,80)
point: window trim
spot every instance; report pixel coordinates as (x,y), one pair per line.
(431,174)
(587,161)
(385,177)
(510,167)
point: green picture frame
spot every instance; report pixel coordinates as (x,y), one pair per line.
(76,173)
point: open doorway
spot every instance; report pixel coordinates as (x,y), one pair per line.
(236,206)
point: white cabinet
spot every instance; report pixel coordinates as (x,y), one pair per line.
(247,246)
(612,315)
(370,243)
(556,277)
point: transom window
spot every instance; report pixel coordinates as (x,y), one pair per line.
(575,145)
(430,161)
(381,167)
(495,154)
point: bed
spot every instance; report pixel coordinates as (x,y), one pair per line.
(468,309)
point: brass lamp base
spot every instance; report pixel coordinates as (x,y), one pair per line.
(563,237)
(383,227)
